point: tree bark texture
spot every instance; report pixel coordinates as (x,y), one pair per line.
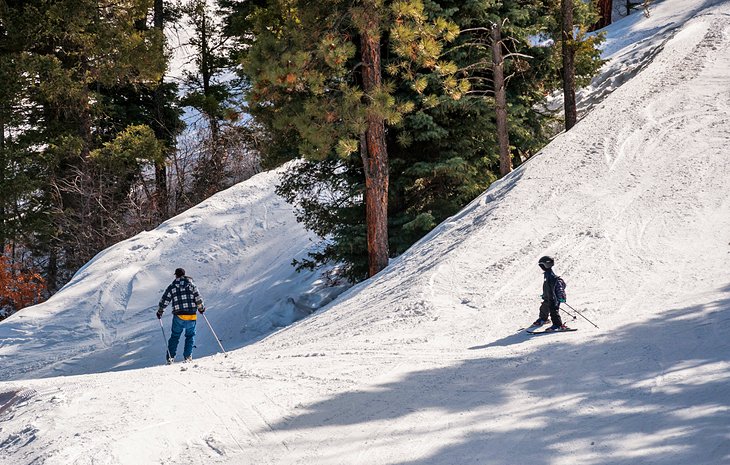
(206,73)
(214,169)
(2,179)
(162,196)
(52,271)
(605,11)
(571,113)
(500,98)
(375,156)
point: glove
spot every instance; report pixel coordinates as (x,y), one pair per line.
(561,300)
(201,309)
(159,313)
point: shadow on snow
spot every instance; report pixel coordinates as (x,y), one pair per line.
(632,382)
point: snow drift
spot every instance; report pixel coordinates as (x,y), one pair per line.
(238,247)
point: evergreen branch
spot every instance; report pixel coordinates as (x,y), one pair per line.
(467,44)
(484,64)
(479,29)
(515,54)
(478,78)
(480,92)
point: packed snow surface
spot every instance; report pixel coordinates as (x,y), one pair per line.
(426,363)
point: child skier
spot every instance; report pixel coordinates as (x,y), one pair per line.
(553,293)
(185,299)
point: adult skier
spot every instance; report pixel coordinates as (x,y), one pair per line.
(553,293)
(185,301)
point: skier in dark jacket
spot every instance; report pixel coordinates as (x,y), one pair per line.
(185,301)
(553,293)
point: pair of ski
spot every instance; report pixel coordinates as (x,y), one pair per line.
(535,330)
(184,365)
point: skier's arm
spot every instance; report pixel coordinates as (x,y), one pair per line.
(198,299)
(166,298)
(559,292)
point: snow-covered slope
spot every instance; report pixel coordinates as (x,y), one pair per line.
(425,364)
(238,247)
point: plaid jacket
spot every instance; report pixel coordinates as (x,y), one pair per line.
(184,297)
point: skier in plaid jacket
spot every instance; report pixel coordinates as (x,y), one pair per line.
(185,300)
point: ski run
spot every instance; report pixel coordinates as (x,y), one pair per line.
(424,363)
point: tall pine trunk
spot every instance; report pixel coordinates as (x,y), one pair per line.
(374,154)
(2,180)
(571,113)
(500,98)
(605,11)
(206,71)
(160,167)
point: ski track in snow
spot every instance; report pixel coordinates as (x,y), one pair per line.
(424,363)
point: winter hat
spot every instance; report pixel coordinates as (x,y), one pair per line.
(179,273)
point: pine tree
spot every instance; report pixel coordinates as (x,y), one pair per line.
(500,99)
(501,53)
(328,197)
(567,23)
(209,89)
(441,154)
(166,127)
(301,67)
(71,57)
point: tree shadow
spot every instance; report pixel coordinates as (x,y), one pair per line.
(650,392)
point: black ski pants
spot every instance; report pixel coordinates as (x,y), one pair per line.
(546,308)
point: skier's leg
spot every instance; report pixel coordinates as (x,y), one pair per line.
(177,329)
(555,316)
(544,310)
(189,338)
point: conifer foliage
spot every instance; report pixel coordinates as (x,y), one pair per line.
(319,70)
(75,124)
(403,111)
(90,152)
(458,103)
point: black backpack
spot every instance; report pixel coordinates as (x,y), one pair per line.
(560,289)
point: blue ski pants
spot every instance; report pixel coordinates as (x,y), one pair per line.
(178,326)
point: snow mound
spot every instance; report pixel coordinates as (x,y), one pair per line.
(238,247)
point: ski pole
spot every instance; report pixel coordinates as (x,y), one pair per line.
(164,338)
(579,313)
(215,335)
(568,313)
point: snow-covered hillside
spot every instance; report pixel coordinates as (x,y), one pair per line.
(425,363)
(238,247)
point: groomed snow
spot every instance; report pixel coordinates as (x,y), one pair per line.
(425,363)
